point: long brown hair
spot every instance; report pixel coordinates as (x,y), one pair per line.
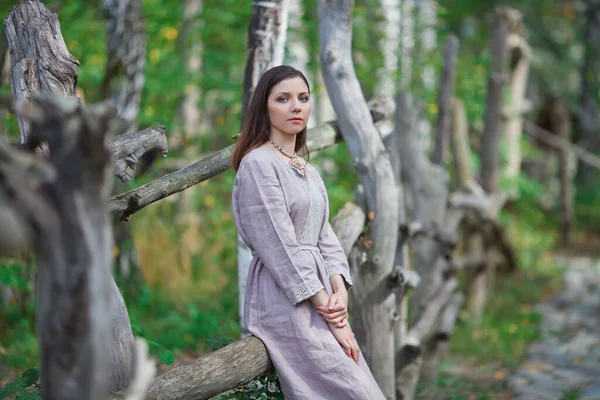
(256,127)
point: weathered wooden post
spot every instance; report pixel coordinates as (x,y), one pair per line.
(374,305)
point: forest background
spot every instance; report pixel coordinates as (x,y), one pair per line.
(184,299)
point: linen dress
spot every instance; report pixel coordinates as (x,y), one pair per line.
(283,218)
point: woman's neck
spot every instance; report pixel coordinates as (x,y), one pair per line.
(286,142)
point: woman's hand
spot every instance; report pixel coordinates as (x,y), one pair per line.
(336,311)
(346,339)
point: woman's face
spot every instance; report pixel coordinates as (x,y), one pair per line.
(289,106)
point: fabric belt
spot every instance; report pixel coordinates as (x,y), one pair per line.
(302,247)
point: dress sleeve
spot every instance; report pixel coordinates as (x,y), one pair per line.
(269,231)
(332,251)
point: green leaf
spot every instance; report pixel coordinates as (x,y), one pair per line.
(166,356)
(30,376)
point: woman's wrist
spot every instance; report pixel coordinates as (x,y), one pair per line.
(320,299)
(337,284)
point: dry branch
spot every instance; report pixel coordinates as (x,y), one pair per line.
(127,149)
(561,144)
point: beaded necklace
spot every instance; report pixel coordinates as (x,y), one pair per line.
(296,162)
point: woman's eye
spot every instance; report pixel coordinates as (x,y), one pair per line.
(304,99)
(282,100)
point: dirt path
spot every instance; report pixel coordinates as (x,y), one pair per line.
(565,362)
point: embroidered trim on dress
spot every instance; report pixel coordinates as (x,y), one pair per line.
(333,269)
(314,218)
(303,291)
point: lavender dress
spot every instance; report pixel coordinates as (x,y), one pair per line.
(283,218)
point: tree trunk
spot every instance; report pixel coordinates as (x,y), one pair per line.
(588,114)
(561,121)
(374,307)
(298,52)
(32,30)
(426,193)
(427,20)
(503,20)
(390,46)
(63,204)
(126,44)
(266,44)
(407,43)
(266,39)
(122,86)
(445,99)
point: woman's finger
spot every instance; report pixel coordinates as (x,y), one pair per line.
(355,354)
(341,324)
(336,314)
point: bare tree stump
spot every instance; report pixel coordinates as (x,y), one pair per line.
(32,29)
(67,217)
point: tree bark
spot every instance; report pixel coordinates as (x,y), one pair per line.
(374,307)
(502,21)
(67,216)
(407,43)
(212,374)
(32,29)
(588,115)
(389,45)
(445,99)
(126,44)
(127,149)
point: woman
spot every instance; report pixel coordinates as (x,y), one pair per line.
(298,281)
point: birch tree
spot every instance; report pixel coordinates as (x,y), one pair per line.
(408,43)
(390,46)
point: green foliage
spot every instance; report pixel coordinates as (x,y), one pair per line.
(510,323)
(265,387)
(25,387)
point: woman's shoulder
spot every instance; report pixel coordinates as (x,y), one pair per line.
(255,157)
(258,160)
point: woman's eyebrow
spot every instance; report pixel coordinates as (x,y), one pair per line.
(288,94)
